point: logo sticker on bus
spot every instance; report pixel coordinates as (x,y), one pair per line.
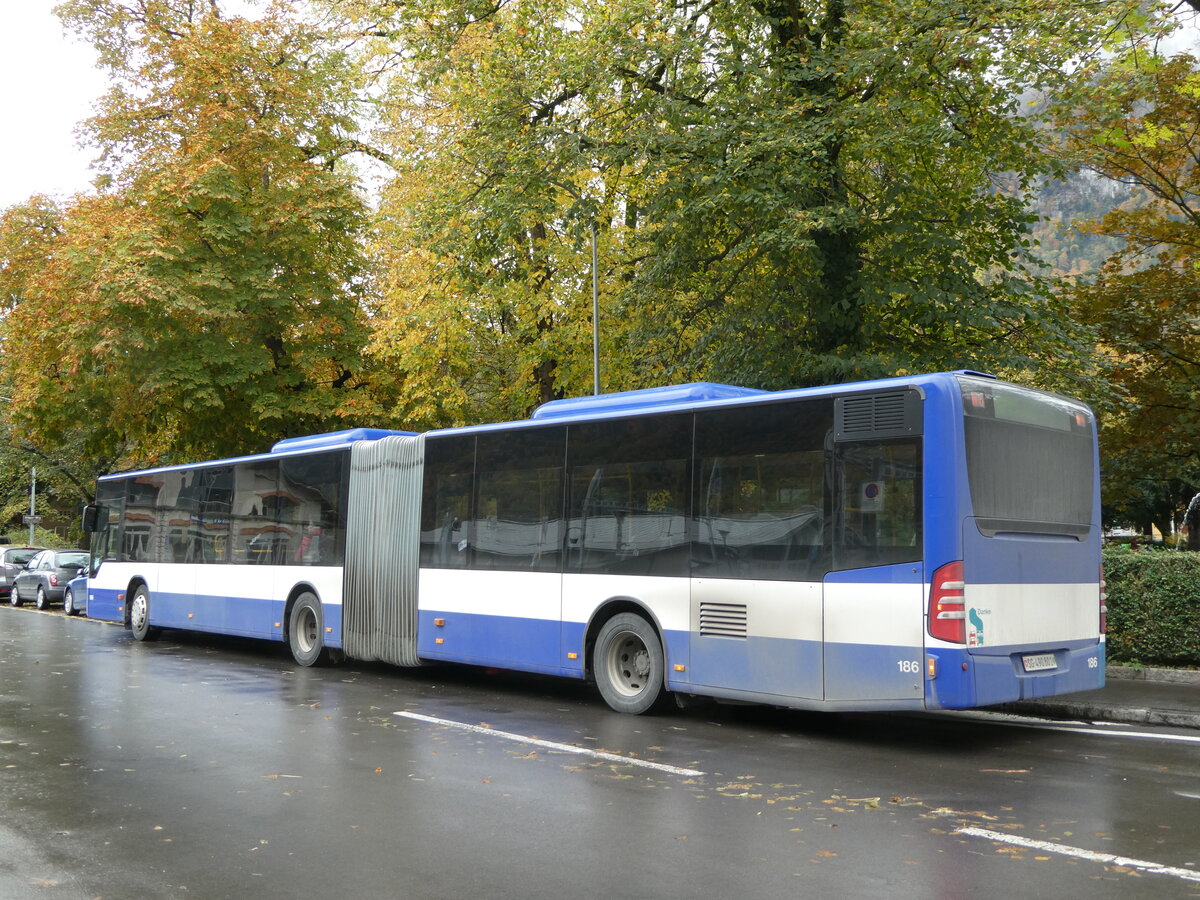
(975,633)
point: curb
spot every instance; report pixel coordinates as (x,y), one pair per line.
(1086,707)
(1130,715)
(1145,673)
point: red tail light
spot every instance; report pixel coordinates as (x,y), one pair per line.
(947,604)
(53,580)
(1103,602)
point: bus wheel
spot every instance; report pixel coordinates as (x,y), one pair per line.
(629,664)
(306,631)
(139,616)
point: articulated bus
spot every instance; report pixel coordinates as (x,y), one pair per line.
(925,542)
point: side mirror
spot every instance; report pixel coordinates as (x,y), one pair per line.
(91,519)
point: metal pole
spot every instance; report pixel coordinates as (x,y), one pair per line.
(595,316)
(32,501)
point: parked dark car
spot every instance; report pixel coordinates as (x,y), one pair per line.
(44,579)
(12,561)
(75,597)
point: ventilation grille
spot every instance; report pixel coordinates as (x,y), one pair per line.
(723,619)
(892,414)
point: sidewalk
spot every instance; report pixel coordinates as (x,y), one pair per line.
(1136,696)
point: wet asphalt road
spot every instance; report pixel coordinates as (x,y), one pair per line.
(205,767)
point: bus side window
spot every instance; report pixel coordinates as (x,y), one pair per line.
(761,496)
(446,502)
(255,499)
(214,503)
(518,505)
(630,496)
(308,512)
(879,515)
(139,520)
(177,518)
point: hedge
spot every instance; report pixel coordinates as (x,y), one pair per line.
(1153,606)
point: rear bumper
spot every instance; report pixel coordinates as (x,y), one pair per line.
(965,680)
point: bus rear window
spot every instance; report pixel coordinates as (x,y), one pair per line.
(1030,459)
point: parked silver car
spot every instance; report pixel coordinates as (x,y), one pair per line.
(44,579)
(12,561)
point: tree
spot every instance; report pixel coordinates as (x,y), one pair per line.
(1134,116)
(32,236)
(211,298)
(27,235)
(787,192)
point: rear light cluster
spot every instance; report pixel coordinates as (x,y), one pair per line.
(1103,603)
(947,604)
(53,580)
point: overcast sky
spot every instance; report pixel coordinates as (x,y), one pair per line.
(49,84)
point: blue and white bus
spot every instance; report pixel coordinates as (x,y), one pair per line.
(925,542)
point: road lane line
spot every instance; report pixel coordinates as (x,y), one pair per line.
(552,745)
(1144,735)
(1057,725)
(1079,853)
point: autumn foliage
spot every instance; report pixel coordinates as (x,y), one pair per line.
(1136,120)
(210,297)
(779,192)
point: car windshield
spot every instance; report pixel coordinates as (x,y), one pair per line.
(73,559)
(19,557)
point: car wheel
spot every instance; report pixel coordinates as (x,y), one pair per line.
(69,602)
(14,596)
(40,600)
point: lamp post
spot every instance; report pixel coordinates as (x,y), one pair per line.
(595,315)
(595,292)
(32,519)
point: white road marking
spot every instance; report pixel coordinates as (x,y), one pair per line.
(552,745)
(1054,725)
(1143,735)
(1079,853)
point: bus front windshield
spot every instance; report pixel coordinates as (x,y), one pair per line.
(1030,459)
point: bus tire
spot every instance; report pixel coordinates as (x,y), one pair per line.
(629,664)
(306,631)
(139,616)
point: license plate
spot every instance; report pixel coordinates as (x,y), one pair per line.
(1039,662)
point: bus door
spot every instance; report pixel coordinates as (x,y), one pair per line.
(874,595)
(102,522)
